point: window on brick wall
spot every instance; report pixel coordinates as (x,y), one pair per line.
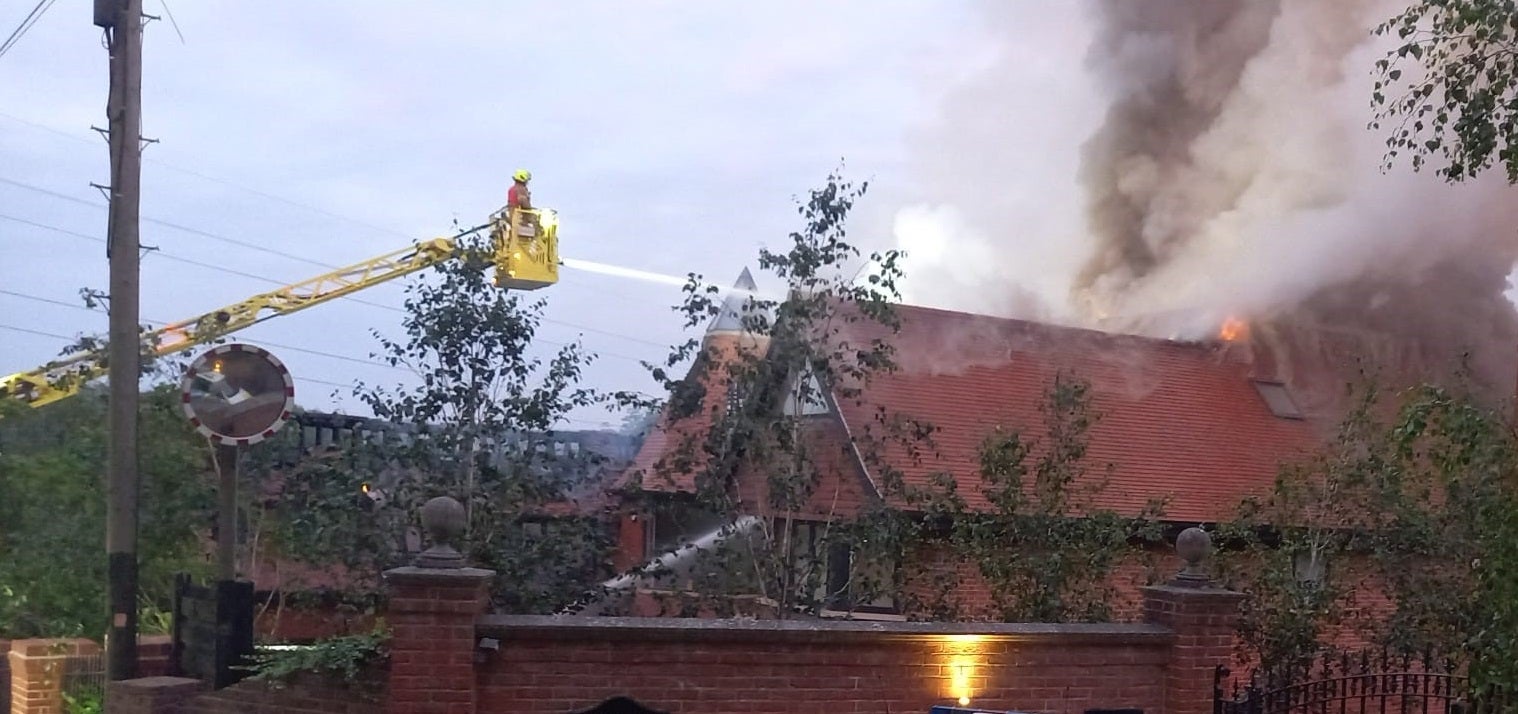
(848,579)
(674,524)
(868,585)
(1310,567)
(736,396)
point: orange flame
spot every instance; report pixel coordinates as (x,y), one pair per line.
(1233,330)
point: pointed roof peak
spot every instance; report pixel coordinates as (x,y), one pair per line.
(746,281)
(735,305)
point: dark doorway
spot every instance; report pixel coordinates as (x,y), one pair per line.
(620,705)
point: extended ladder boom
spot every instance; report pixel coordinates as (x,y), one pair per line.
(65,377)
(524,243)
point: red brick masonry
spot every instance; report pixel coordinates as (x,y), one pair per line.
(448,659)
(558,665)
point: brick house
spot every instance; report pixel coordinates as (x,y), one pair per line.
(1199,425)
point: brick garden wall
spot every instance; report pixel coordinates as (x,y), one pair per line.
(448,657)
(310,695)
(561,665)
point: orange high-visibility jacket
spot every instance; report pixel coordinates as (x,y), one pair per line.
(519,196)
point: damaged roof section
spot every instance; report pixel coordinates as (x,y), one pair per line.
(1178,421)
(1183,422)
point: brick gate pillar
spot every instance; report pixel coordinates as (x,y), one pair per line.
(37,669)
(432,608)
(1204,618)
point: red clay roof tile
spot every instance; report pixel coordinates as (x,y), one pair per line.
(672,453)
(1179,421)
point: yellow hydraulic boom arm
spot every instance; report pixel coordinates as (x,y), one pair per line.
(525,246)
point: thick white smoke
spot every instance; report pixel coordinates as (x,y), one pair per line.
(998,210)
(1206,158)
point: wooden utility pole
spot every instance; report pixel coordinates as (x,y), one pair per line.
(228,468)
(122,20)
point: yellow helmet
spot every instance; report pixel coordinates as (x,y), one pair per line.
(522,175)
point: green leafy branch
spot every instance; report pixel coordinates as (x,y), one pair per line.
(346,658)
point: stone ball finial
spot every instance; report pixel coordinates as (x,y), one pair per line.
(443,518)
(1193,545)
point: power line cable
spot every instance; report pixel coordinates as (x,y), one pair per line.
(272,197)
(189,261)
(86,308)
(27,23)
(50,301)
(44,333)
(288,201)
(249,338)
(172,21)
(256,192)
(292,348)
(569,278)
(168,224)
(302,378)
(323,381)
(361,301)
(318,263)
(30,331)
(214,179)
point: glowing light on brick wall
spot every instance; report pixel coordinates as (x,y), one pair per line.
(962,660)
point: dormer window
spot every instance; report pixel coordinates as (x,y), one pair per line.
(1278,399)
(805,397)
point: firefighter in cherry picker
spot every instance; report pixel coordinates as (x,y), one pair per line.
(524,220)
(519,196)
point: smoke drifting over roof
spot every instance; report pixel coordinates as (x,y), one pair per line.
(1228,171)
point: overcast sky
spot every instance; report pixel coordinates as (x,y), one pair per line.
(671,136)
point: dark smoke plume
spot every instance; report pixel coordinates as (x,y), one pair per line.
(1159,166)
(1233,176)
(1171,66)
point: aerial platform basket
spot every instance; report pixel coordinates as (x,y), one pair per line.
(526,245)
